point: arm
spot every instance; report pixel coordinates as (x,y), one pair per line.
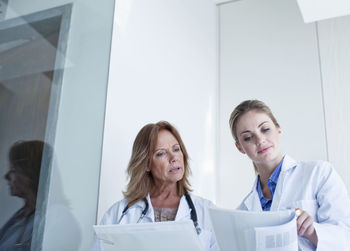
(213,242)
(96,245)
(110,217)
(332,225)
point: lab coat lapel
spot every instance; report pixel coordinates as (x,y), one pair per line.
(150,213)
(252,201)
(288,164)
(184,210)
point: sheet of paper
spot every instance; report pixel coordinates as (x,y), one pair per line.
(277,238)
(237,230)
(165,236)
(315,10)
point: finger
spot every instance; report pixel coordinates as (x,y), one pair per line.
(300,220)
(309,226)
(305,225)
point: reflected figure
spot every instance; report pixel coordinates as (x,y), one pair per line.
(23,180)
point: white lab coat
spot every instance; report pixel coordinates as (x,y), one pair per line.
(316,188)
(206,237)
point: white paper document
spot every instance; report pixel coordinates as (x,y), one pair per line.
(163,236)
(238,230)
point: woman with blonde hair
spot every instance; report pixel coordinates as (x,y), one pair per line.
(159,187)
(313,188)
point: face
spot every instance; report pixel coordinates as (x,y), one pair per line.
(259,138)
(17,182)
(167,161)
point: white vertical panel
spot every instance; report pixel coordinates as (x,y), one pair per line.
(268,53)
(334,39)
(163,67)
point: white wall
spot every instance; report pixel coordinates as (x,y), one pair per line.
(267,52)
(165,51)
(163,67)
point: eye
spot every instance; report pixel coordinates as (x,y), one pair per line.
(266,129)
(247,138)
(160,154)
(177,149)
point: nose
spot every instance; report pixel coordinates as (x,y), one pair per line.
(7,176)
(260,139)
(172,157)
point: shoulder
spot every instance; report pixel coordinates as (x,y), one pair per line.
(113,213)
(306,167)
(316,167)
(315,173)
(201,202)
(202,205)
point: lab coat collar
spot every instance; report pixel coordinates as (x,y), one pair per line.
(150,212)
(288,163)
(183,210)
(252,201)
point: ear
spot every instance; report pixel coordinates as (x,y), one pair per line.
(239,148)
(279,129)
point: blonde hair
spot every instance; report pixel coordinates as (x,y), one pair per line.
(243,108)
(141,181)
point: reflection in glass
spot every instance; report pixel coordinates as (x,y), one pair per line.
(23,180)
(32,50)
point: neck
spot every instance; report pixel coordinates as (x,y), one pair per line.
(29,207)
(265,170)
(164,190)
(165,196)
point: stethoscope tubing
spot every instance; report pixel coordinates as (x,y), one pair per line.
(194,217)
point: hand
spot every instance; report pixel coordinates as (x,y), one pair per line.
(305,226)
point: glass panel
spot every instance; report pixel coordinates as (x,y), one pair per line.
(28,48)
(53,79)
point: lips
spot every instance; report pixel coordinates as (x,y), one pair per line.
(264,150)
(174,169)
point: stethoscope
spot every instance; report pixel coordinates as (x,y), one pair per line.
(145,210)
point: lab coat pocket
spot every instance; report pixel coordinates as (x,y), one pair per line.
(310,206)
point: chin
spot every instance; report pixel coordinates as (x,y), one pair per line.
(179,178)
(269,155)
(13,193)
